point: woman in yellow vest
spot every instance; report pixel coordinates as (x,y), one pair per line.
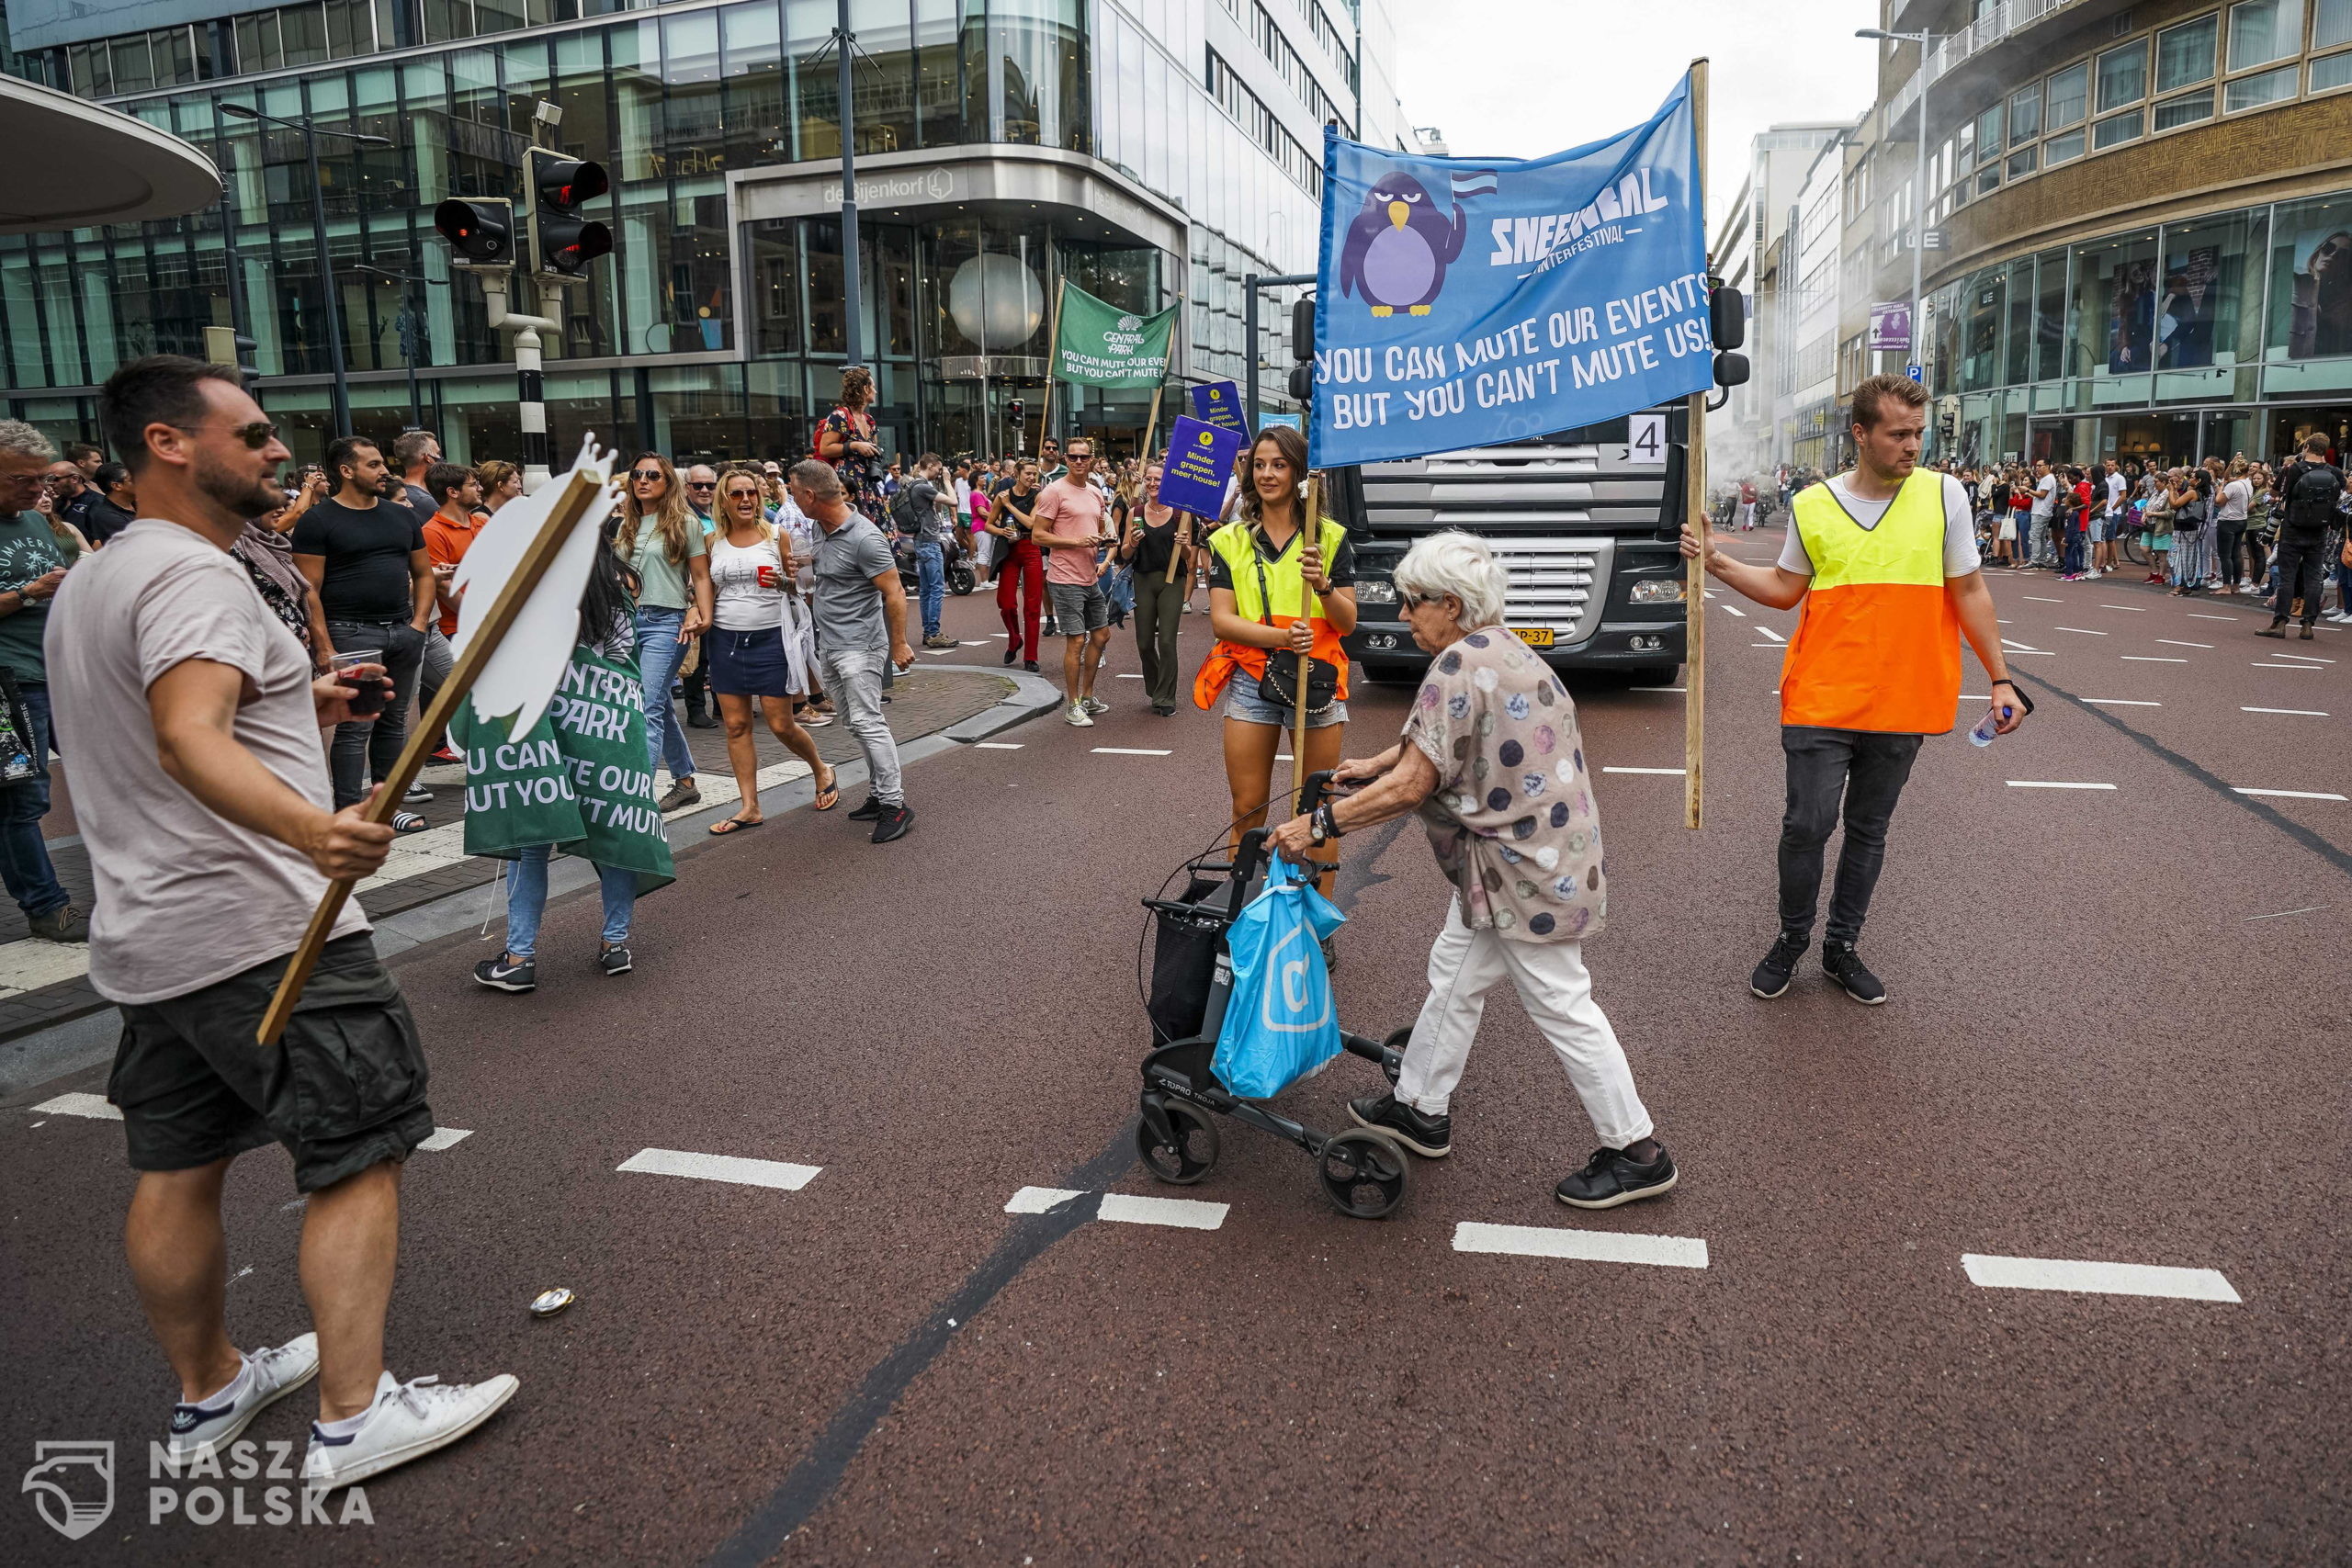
(1275,590)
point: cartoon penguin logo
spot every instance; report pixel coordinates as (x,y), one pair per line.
(1399,247)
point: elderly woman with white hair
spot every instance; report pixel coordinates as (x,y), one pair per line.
(1492,761)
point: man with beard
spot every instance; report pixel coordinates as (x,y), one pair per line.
(32,568)
(363,551)
(211,843)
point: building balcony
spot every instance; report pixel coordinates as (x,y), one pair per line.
(1974,61)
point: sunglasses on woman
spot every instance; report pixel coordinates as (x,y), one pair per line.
(641,475)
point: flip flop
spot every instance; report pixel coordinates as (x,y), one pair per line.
(830,796)
(727,825)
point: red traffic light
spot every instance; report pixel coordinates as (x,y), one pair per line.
(481,231)
(562,242)
(568,182)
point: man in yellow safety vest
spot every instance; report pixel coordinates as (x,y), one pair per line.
(1884,561)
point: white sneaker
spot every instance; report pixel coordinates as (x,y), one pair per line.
(407,1421)
(1078,717)
(269,1376)
(1094,705)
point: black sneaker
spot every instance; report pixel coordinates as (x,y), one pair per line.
(615,960)
(501,976)
(1431,1137)
(1610,1179)
(893,823)
(1843,964)
(868,812)
(1771,977)
(1012,656)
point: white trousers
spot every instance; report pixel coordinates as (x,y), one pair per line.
(1556,990)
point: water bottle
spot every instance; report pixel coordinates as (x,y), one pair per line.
(1981,735)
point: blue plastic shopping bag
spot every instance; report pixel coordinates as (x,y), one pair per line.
(1279,1023)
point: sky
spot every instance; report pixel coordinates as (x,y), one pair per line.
(1534,76)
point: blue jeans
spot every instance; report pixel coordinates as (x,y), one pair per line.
(24,859)
(660,651)
(930,584)
(526,900)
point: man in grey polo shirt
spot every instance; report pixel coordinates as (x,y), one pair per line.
(860,610)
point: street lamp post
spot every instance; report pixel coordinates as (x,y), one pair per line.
(311,135)
(1918,187)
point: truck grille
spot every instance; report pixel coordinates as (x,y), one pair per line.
(1559,583)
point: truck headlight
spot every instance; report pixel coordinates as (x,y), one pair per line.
(1375,593)
(1657,591)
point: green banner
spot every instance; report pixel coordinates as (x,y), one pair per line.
(1102,345)
(578,779)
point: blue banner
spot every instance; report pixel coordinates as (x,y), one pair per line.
(1219,404)
(1200,460)
(1462,302)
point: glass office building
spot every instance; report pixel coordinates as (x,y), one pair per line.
(1146,150)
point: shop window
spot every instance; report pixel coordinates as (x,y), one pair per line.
(2124,75)
(2016,349)
(2113,324)
(2185,54)
(2334,72)
(775,284)
(2067,96)
(2116,129)
(2201,314)
(2049,316)
(2186,109)
(2311,279)
(2264,87)
(2025,116)
(2265,31)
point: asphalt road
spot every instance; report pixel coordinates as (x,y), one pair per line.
(2116,1036)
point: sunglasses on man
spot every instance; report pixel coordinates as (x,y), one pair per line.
(255,434)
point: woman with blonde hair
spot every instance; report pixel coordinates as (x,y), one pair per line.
(754,646)
(661,541)
(501,483)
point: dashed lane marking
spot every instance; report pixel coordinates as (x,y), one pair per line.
(2198,615)
(2303,658)
(1590,1246)
(2122,703)
(1119,1208)
(2283,914)
(2176,642)
(2290,793)
(2053,783)
(445,1138)
(2097,1279)
(1131,752)
(996,745)
(2085,631)
(2152,659)
(2306,669)
(744,1172)
(2039,599)
(2298,713)
(1675,772)
(2021,647)
(2127,609)
(1768,631)
(1130,677)
(94,1106)
(1734,610)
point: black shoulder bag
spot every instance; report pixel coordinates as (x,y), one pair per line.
(1278,687)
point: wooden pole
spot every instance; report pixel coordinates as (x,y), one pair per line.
(1053,363)
(1311,526)
(1694,512)
(1151,429)
(571,508)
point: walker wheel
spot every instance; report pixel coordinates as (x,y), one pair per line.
(1397,1042)
(1192,1156)
(1362,1174)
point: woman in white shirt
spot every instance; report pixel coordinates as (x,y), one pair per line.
(754,645)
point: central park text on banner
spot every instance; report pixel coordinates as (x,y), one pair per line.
(1463,303)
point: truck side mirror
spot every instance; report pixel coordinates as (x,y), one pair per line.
(1727,320)
(1731,369)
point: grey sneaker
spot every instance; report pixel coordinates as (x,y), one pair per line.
(499,976)
(408,1421)
(683,791)
(1077,716)
(1094,705)
(269,1376)
(615,960)
(62,924)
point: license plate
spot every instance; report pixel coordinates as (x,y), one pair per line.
(1534,637)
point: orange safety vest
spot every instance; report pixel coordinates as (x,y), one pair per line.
(1237,545)
(1877,645)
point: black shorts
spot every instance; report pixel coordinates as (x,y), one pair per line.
(343,1088)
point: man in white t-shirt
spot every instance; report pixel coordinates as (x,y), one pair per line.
(2112,516)
(211,841)
(2045,508)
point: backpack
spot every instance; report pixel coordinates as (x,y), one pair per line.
(2311,499)
(907,514)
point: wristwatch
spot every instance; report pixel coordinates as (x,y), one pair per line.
(1324,824)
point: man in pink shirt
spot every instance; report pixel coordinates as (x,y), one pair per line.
(1072,523)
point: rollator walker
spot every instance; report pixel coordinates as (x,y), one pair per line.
(1360,1171)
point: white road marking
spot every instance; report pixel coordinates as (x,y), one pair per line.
(773,1173)
(996,745)
(1734,610)
(1592,1247)
(2307,669)
(1773,646)
(2099,1279)
(2303,658)
(2040,652)
(94,1106)
(2053,784)
(2039,599)
(2084,630)
(1130,752)
(2290,793)
(2021,647)
(2152,659)
(2196,616)
(1130,677)
(1768,631)
(2298,713)
(2130,609)
(2121,703)
(1675,772)
(1119,1208)
(2176,642)
(445,1138)
(2306,909)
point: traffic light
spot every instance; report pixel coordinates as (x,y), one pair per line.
(562,242)
(480,231)
(1014,410)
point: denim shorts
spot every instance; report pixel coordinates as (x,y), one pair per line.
(1242,702)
